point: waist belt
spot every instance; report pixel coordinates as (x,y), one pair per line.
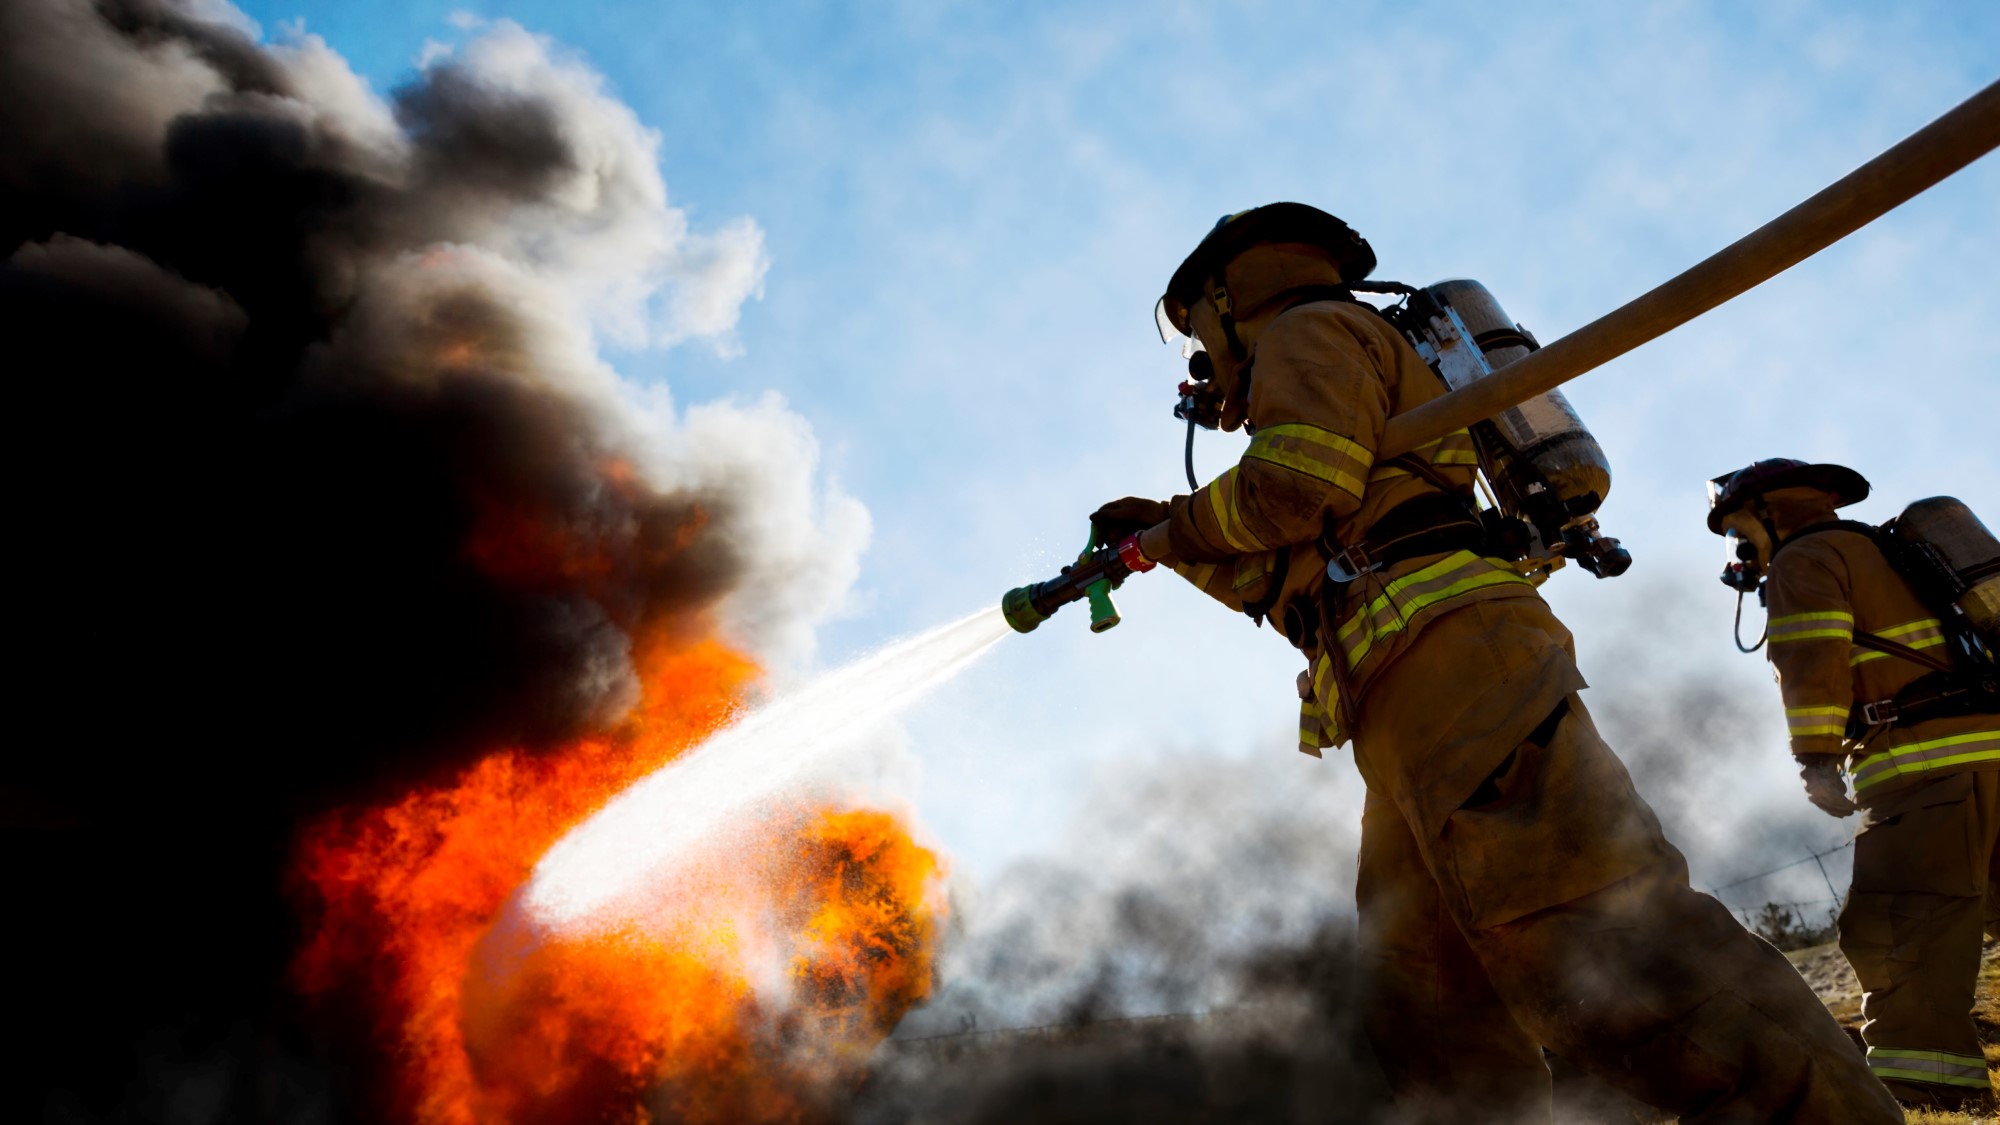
(1433,524)
(1940,695)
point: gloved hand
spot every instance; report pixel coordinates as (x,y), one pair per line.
(1129,516)
(1824,785)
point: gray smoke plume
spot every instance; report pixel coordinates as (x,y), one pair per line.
(1185,952)
(324,487)
(1706,748)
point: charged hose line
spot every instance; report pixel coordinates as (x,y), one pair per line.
(1958,138)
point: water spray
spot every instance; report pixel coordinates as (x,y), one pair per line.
(609,870)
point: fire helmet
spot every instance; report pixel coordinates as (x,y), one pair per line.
(1731,491)
(1233,234)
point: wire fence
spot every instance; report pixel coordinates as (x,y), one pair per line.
(1744,909)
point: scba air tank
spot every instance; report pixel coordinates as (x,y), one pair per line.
(1543,463)
(1968,557)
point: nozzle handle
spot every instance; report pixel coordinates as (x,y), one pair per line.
(1103,615)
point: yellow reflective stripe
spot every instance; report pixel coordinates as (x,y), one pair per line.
(1321,713)
(1940,1067)
(1804,722)
(1817,615)
(1222,505)
(1821,625)
(1910,627)
(1320,454)
(1887,1070)
(1932,754)
(1323,686)
(1864,655)
(1921,634)
(1933,1056)
(1197,573)
(1454,448)
(1309,719)
(1458,573)
(1250,569)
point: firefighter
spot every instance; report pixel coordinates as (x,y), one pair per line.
(1860,660)
(1515,892)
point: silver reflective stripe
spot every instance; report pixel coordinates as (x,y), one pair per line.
(1921,634)
(1931,754)
(1940,1067)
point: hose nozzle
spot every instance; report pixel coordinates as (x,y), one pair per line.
(1018,606)
(1096,572)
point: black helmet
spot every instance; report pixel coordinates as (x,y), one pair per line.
(1273,222)
(1731,491)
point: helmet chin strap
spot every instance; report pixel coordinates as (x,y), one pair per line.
(1220,296)
(1757,508)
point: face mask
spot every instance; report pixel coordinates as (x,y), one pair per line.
(1749,548)
(1201,400)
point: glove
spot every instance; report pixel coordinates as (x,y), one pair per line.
(1129,516)
(1824,785)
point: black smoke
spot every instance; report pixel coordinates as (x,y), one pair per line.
(1184,954)
(318,490)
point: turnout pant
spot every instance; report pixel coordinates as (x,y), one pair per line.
(1926,882)
(1535,902)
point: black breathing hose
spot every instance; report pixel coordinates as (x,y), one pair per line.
(1192,486)
(1738,630)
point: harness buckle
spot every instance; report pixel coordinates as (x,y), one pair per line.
(1880,713)
(1349,564)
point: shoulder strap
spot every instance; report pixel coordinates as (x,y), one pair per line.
(1888,647)
(1894,554)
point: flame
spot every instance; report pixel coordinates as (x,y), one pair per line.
(758,1003)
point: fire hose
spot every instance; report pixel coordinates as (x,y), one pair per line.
(1921,160)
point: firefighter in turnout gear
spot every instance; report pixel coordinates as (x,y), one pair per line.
(1857,651)
(1515,891)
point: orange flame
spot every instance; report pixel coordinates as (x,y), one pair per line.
(709,1019)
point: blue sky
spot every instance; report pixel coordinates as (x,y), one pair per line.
(969,210)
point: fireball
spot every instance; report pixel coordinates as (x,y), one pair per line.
(762,970)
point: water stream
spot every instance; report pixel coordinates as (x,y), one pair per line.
(610,868)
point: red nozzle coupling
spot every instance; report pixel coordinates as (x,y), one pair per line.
(1134,559)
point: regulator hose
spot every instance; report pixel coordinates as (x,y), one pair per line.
(1193,486)
(1738,630)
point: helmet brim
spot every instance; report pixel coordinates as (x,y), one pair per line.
(1846,485)
(1273,222)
